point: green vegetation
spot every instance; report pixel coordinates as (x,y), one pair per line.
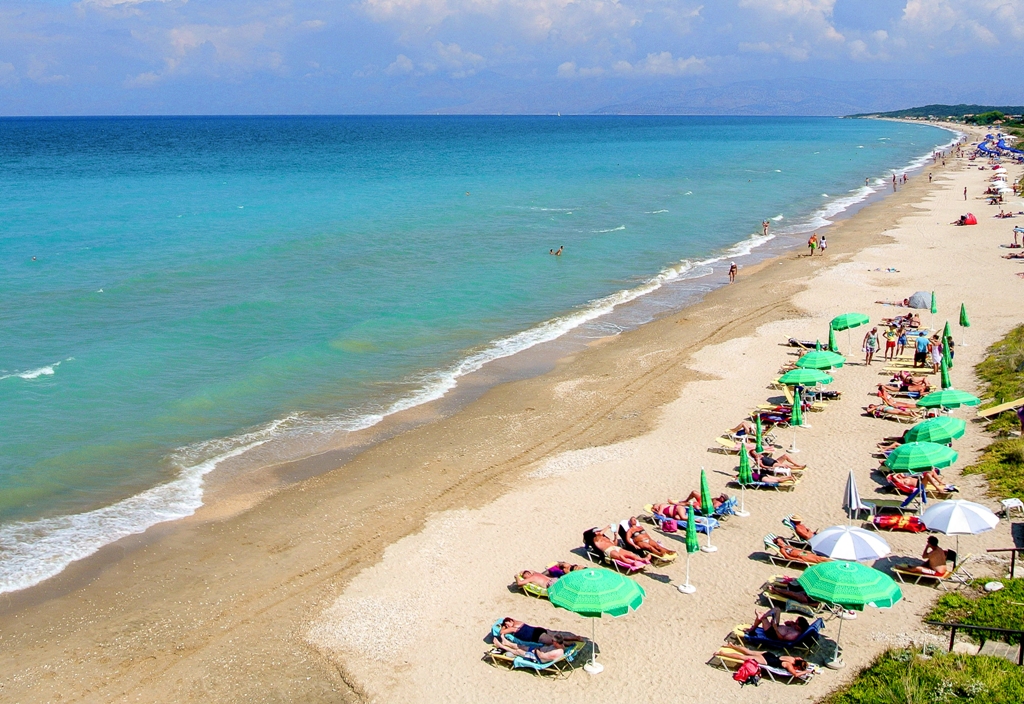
(1002,464)
(911,677)
(1003,373)
(1001,609)
(985,118)
(943,111)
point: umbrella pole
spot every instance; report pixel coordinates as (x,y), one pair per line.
(687,588)
(837,661)
(593,667)
(709,547)
(742,513)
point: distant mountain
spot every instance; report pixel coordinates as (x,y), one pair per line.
(957,111)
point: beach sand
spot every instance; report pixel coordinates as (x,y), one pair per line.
(378,581)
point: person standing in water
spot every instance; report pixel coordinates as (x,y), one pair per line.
(764,227)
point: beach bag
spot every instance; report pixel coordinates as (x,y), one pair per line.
(670,526)
(748,673)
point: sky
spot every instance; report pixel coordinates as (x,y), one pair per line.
(105,57)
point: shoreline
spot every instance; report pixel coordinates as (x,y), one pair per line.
(248,473)
(435,467)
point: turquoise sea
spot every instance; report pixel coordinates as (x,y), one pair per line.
(176,291)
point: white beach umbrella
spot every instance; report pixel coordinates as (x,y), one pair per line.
(849,543)
(959,517)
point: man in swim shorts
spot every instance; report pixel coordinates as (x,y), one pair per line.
(921,350)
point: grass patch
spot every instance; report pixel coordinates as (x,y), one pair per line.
(908,677)
(1001,609)
(1002,463)
(1003,373)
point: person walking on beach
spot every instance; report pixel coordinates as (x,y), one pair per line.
(870,345)
(812,243)
(929,178)
(822,245)
(965,192)
(732,272)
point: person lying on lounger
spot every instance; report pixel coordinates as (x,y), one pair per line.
(764,478)
(797,667)
(533,634)
(889,400)
(545,653)
(933,558)
(560,569)
(771,621)
(536,578)
(796,554)
(677,509)
(767,462)
(790,589)
(906,383)
(801,530)
(637,537)
(605,542)
(931,480)
(886,409)
(745,428)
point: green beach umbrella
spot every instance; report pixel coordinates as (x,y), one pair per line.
(944,374)
(821,359)
(948,398)
(941,430)
(759,436)
(935,304)
(945,331)
(796,419)
(964,323)
(849,320)
(805,377)
(692,546)
(706,505)
(743,478)
(832,346)
(850,585)
(915,456)
(592,592)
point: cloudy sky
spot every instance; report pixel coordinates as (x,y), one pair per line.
(388,56)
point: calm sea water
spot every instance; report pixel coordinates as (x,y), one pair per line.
(175,291)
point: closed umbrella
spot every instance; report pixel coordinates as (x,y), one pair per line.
(832,346)
(706,505)
(947,355)
(964,322)
(948,398)
(850,585)
(692,546)
(796,418)
(759,436)
(941,429)
(944,373)
(959,517)
(744,477)
(851,498)
(915,456)
(848,321)
(592,592)
(849,543)
(934,307)
(805,377)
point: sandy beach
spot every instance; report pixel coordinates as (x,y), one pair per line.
(378,580)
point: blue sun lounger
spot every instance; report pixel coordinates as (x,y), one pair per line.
(760,639)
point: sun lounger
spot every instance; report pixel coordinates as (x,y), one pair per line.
(796,541)
(958,575)
(656,559)
(760,639)
(898,417)
(897,482)
(532,589)
(729,659)
(563,667)
(775,555)
(600,558)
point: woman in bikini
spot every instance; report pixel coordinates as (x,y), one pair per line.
(599,540)
(638,538)
(797,667)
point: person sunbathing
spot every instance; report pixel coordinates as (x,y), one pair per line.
(889,400)
(761,477)
(536,578)
(600,541)
(886,409)
(766,461)
(933,558)
(905,383)
(1013,255)
(677,509)
(744,428)
(796,554)
(533,634)
(545,653)
(560,569)
(774,627)
(931,480)
(801,530)
(891,443)
(638,538)
(797,667)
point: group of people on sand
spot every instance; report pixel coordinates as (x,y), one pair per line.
(817,243)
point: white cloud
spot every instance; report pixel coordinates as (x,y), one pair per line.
(964,21)
(401,65)
(459,63)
